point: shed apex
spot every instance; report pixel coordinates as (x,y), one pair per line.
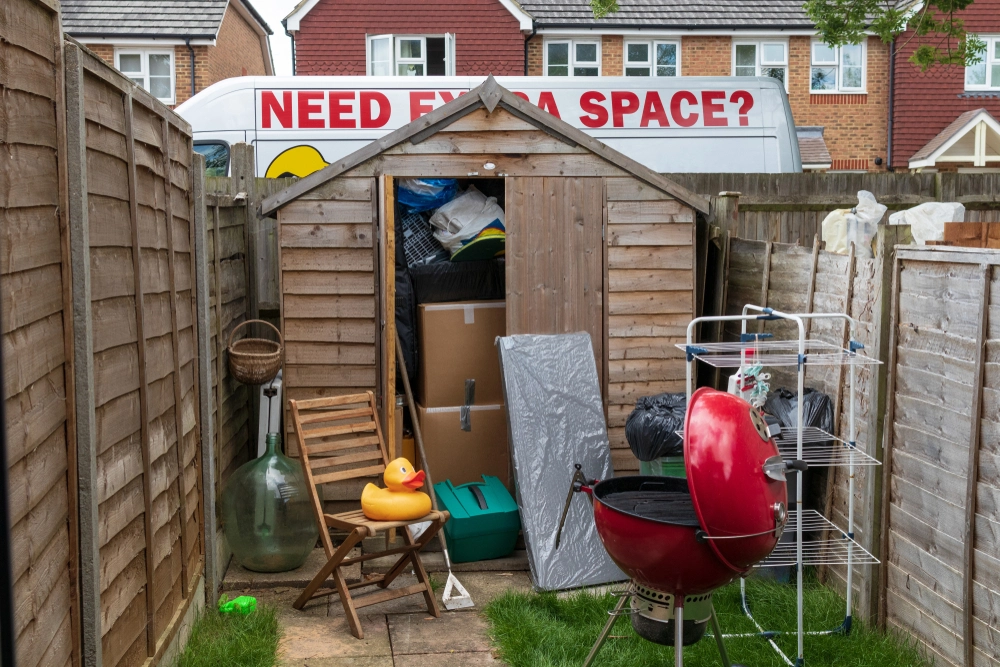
(489,95)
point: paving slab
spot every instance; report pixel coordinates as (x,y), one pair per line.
(474,659)
(238,578)
(484,586)
(434,562)
(451,633)
(356,661)
(408,604)
(283,598)
(312,638)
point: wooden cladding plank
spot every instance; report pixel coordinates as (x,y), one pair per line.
(503,141)
(649,280)
(650,235)
(482,121)
(326,236)
(313,212)
(328,282)
(330,330)
(645,212)
(327,259)
(329,353)
(651,257)
(346,189)
(649,303)
(335,307)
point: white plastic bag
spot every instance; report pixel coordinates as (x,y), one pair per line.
(927,220)
(463,217)
(858,226)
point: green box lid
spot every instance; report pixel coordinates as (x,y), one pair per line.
(478,507)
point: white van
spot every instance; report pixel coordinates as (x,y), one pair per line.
(686,124)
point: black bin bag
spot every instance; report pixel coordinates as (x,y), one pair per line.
(651,429)
(817,408)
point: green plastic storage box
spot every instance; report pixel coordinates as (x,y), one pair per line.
(665,466)
(484,521)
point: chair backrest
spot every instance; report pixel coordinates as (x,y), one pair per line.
(339,438)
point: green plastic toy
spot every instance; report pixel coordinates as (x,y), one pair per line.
(244,605)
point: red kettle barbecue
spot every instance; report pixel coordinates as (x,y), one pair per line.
(681,539)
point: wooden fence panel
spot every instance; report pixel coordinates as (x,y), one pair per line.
(940,530)
(37,335)
(134,204)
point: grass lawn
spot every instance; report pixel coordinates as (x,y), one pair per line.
(543,630)
(231,640)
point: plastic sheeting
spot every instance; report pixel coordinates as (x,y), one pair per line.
(556,418)
(927,220)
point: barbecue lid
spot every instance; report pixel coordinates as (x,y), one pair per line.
(725,447)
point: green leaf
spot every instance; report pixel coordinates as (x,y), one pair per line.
(602,8)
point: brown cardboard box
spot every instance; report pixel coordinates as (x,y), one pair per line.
(457,343)
(463,456)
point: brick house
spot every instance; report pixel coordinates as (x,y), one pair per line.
(838,96)
(173,48)
(948,118)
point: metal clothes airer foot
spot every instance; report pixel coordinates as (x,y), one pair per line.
(455,596)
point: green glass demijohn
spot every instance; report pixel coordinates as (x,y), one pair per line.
(267,514)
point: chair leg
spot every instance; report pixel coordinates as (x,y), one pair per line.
(400,564)
(421,572)
(331,566)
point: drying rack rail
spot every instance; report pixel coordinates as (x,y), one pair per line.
(773,353)
(837,549)
(819,448)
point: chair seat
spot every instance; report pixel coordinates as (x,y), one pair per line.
(357,519)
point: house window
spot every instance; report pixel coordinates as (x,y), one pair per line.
(837,68)
(985,75)
(151,69)
(572,58)
(651,58)
(411,55)
(761,59)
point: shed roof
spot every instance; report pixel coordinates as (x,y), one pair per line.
(489,95)
(149,18)
(812,148)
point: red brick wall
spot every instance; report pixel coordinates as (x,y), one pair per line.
(238,51)
(612,55)
(855,125)
(927,102)
(182,70)
(331,38)
(706,56)
(535,56)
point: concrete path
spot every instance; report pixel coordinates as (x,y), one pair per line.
(398,633)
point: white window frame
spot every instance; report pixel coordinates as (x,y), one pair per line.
(838,64)
(651,63)
(758,53)
(990,59)
(572,62)
(394,41)
(144,54)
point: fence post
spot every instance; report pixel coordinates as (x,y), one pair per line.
(83,367)
(725,212)
(888,237)
(204,379)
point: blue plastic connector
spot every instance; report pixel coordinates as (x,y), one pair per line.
(691,350)
(750,337)
(854,346)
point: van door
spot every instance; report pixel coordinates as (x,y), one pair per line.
(555,258)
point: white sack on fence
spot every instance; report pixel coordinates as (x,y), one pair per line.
(927,220)
(463,217)
(858,226)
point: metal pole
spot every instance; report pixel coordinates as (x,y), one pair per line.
(719,642)
(798,491)
(850,495)
(678,634)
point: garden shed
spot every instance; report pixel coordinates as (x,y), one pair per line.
(595,242)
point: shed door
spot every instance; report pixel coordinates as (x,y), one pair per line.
(555,258)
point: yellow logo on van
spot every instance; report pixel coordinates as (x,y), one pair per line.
(296,161)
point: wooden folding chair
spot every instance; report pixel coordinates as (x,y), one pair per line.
(340,438)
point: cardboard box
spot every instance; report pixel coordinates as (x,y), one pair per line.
(456,343)
(465,456)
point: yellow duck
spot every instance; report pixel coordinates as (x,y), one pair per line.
(400,500)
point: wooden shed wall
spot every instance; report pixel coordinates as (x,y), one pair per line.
(329,290)
(141,241)
(37,320)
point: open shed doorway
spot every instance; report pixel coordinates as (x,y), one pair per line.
(550,279)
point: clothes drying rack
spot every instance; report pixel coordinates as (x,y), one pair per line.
(810,444)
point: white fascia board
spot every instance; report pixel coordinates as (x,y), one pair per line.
(247,16)
(143,41)
(292,20)
(524,20)
(635,32)
(933,158)
(818,165)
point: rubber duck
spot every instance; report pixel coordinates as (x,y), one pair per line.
(400,500)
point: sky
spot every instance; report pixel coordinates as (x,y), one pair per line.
(281,44)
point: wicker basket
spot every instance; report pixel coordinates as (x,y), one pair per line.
(255,360)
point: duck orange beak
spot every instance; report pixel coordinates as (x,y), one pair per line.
(414,480)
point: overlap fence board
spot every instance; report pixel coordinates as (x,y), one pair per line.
(940,527)
(37,336)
